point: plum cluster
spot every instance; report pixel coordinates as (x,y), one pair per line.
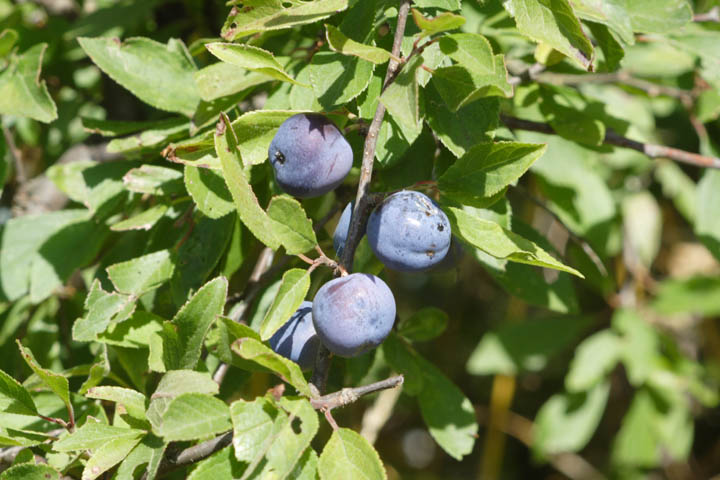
(408,232)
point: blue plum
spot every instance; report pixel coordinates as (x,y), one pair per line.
(310,156)
(353,314)
(409,232)
(297,339)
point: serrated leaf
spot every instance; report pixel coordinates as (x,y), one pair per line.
(159,75)
(459,86)
(132,333)
(658,16)
(14,398)
(209,192)
(30,471)
(337,79)
(289,371)
(494,240)
(251,58)
(142,274)
(107,456)
(132,400)
(252,427)
(526,346)
(442,22)
(348,455)
(612,13)
(222,79)
(487,169)
(470,50)
(22,93)
(566,422)
(425,324)
(56,382)
(554,23)
(262,15)
(154,180)
(339,42)
(594,358)
(295,285)
(447,412)
(248,208)
(93,435)
(220,464)
(149,453)
(195,318)
(192,416)
(402,98)
(150,139)
(142,221)
(102,308)
(292,226)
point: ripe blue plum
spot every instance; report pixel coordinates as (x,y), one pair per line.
(297,339)
(353,314)
(343,229)
(310,156)
(409,232)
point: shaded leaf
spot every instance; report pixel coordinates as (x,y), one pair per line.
(252,58)
(348,455)
(192,416)
(339,42)
(295,285)
(22,93)
(289,371)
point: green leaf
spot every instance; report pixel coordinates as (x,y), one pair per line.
(348,455)
(57,383)
(115,128)
(192,416)
(102,309)
(699,295)
(554,23)
(292,226)
(425,324)
(132,333)
(148,453)
(159,75)
(93,435)
(526,346)
(403,358)
(594,358)
(340,43)
(641,344)
(337,79)
(30,471)
(295,285)
(567,119)
(222,79)
(442,22)
(501,243)
(566,422)
(263,15)
(142,221)
(22,93)
(150,140)
(132,400)
(20,438)
(487,169)
(255,130)
(194,319)
(289,371)
(459,86)
(402,98)
(707,228)
(142,274)
(108,455)
(248,208)
(220,464)
(253,424)
(154,180)
(447,412)
(471,51)
(14,398)
(613,13)
(461,130)
(658,16)
(252,58)
(8,38)
(452,5)
(209,192)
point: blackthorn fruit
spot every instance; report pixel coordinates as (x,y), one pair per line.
(297,339)
(353,314)
(343,229)
(310,156)
(409,232)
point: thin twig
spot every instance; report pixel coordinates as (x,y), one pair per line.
(712,15)
(362,199)
(20,174)
(349,395)
(612,138)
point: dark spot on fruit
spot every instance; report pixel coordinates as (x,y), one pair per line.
(440,227)
(430,253)
(280,157)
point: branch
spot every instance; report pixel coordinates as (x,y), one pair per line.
(612,138)
(712,15)
(362,199)
(193,454)
(347,396)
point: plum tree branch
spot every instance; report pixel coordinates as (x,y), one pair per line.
(612,138)
(347,396)
(363,197)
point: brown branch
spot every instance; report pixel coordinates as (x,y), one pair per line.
(612,138)
(362,199)
(347,396)
(712,15)
(193,454)
(20,174)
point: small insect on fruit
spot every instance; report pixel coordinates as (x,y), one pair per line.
(310,155)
